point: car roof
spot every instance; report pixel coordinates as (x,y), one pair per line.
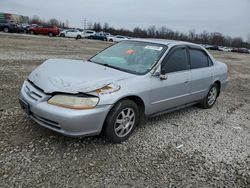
(165,42)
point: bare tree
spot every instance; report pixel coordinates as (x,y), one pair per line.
(105,27)
(54,21)
(152,31)
(89,25)
(248,38)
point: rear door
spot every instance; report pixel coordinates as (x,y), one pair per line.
(201,73)
(174,91)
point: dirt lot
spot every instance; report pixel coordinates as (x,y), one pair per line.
(215,143)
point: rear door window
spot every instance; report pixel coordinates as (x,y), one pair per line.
(198,59)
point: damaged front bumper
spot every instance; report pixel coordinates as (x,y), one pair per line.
(65,121)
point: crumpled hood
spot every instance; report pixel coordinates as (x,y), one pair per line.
(74,76)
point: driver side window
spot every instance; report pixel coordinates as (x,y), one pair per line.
(176,61)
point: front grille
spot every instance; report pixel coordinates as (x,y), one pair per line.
(33,92)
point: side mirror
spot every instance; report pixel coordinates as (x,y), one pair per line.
(163,74)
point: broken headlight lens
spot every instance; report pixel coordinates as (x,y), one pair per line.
(111,88)
(74,102)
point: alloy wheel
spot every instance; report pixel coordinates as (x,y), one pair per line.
(212,95)
(125,122)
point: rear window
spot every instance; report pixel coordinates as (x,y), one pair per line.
(198,59)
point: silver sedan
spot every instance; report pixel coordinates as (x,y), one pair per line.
(112,92)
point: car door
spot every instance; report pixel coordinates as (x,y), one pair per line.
(70,33)
(174,90)
(39,29)
(201,73)
(118,38)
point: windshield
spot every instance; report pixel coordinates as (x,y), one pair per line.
(131,56)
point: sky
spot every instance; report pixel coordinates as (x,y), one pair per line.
(230,17)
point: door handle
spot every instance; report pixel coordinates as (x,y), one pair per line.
(186,81)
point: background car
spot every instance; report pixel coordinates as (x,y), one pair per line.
(213,47)
(98,36)
(224,49)
(240,50)
(44,30)
(23,28)
(117,38)
(88,33)
(71,33)
(8,26)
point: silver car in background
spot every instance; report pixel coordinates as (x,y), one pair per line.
(112,92)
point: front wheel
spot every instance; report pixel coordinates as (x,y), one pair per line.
(50,34)
(6,30)
(211,97)
(78,37)
(121,121)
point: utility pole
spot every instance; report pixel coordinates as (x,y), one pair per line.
(85,24)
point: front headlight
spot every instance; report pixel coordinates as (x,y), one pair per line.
(74,102)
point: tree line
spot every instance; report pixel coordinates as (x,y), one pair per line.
(53,21)
(210,38)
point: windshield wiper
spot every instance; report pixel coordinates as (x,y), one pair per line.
(110,66)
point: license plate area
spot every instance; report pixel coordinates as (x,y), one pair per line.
(25,106)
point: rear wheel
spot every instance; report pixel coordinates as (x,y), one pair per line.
(6,30)
(121,121)
(111,40)
(211,97)
(62,35)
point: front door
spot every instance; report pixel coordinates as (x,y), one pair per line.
(175,89)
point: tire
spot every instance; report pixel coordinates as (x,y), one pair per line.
(121,121)
(111,40)
(50,34)
(78,37)
(62,35)
(211,97)
(6,30)
(32,32)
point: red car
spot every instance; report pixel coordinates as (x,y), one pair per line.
(44,30)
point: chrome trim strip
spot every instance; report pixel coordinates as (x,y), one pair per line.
(172,98)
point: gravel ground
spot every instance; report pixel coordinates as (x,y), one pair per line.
(188,148)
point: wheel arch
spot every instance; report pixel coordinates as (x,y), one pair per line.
(137,100)
(219,85)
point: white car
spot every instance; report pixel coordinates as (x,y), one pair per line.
(117,38)
(225,49)
(88,33)
(71,33)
